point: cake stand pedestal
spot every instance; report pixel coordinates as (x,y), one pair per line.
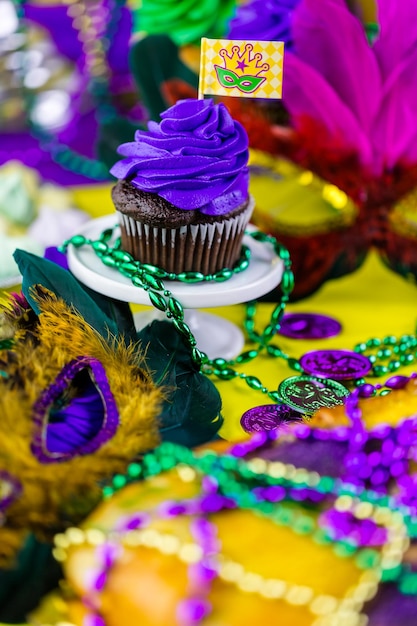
(215,336)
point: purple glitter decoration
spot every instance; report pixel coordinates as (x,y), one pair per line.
(309,326)
(313,453)
(81,426)
(264,20)
(392,608)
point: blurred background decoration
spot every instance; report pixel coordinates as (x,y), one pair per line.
(37,83)
(347,119)
(34,216)
(63,73)
(79,77)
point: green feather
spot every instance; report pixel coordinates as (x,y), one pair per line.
(154,62)
(191,413)
(102,313)
(22,587)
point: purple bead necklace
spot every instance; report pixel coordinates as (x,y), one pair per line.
(375,462)
(380,456)
(95,21)
(378,524)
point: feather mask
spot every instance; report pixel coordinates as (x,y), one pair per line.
(81,396)
(349,117)
(74,409)
(361,96)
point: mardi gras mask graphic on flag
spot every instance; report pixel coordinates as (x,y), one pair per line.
(241,68)
(249,80)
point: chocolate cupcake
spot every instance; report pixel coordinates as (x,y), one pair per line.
(182,196)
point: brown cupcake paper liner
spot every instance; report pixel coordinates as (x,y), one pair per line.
(205,248)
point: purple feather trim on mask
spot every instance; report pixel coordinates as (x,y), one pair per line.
(77,426)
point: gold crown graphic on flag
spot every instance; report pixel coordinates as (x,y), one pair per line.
(239,68)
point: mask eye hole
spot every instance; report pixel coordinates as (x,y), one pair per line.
(76,414)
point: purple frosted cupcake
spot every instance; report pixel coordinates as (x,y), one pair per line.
(182,195)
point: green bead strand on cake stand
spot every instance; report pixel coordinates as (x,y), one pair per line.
(150,278)
(224,369)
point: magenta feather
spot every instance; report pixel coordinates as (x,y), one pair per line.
(398,33)
(395,127)
(333,41)
(306,93)
(364,96)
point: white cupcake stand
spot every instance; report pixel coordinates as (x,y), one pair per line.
(215,336)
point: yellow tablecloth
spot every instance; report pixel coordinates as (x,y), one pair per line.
(372,302)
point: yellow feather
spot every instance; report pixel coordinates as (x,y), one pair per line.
(56,495)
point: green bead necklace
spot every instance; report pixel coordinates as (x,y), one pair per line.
(387,355)
(402,350)
(150,278)
(239,477)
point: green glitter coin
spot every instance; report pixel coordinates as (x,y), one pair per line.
(307,394)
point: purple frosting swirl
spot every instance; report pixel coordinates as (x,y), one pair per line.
(195,158)
(265,20)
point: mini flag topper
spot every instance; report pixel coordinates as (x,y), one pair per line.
(243,69)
